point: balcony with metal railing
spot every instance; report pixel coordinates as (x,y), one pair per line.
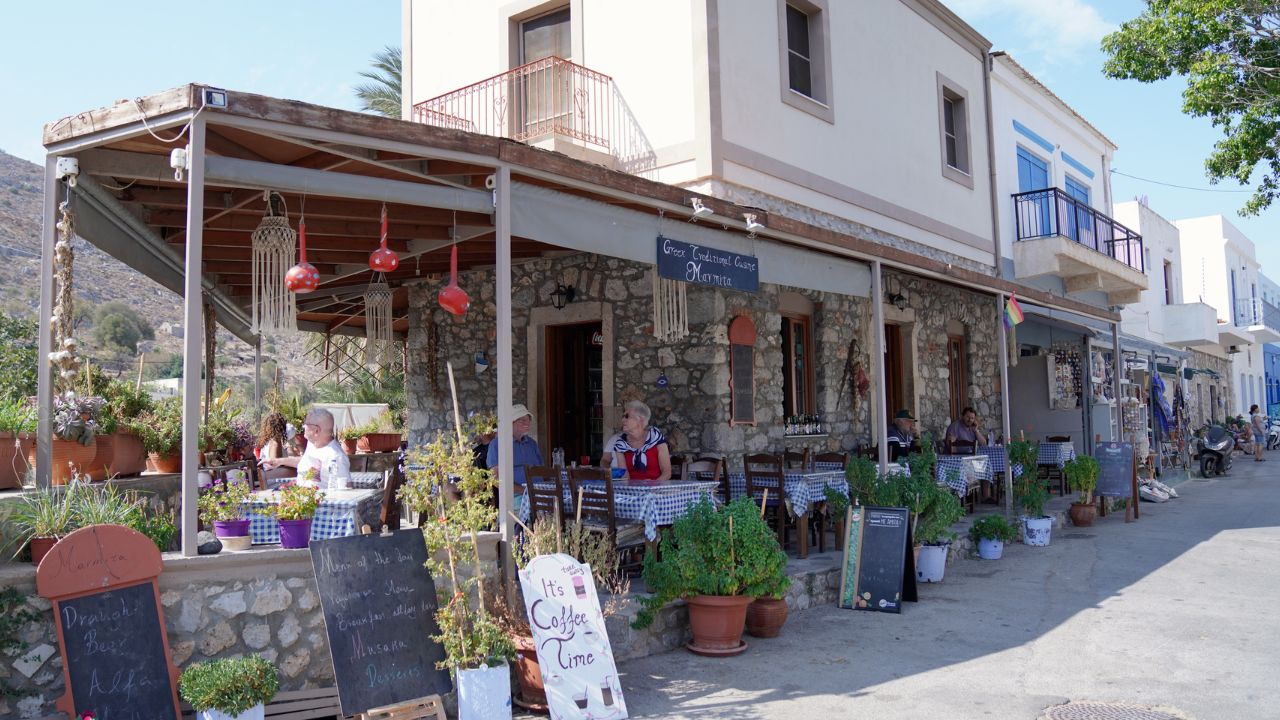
(553,104)
(1058,235)
(1261,319)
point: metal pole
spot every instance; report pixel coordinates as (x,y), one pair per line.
(1118,360)
(193,328)
(506,453)
(257,383)
(44,370)
(1004,403)
(879,409)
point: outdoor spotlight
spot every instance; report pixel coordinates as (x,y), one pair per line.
(700,210)
(898,300)
(561,296)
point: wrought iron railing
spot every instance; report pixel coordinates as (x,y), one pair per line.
(547,97)
(1255,311)
(1050,212)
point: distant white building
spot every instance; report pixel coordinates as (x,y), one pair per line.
(168,387)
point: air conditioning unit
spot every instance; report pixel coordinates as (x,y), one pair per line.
(1233,349)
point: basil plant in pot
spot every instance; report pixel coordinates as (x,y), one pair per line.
(161,433)
(1082,476)
(1030,493)
(230,688)
(991,532)
(718,560)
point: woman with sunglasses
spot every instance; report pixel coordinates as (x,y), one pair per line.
(643,448)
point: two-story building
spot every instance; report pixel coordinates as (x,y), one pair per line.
(1271,350)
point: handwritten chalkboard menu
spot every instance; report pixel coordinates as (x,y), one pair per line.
(110,626)
(573,646)
(379,607)
(877,573)
(702,265)
(1115,469)
(742,365)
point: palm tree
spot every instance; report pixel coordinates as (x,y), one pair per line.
(382,96)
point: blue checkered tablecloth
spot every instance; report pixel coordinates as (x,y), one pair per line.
(366,480)
(653,503)
(1056,453)
(337,515)
(998,456)
(803,488)
(828,466)
(961,472)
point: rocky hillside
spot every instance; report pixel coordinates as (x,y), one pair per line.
(100,278)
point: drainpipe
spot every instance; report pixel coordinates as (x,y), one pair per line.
(991,167)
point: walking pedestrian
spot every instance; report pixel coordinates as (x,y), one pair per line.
(1259,423)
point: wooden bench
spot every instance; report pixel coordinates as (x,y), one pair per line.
(324,703)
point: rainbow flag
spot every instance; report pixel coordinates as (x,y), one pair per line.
(1012,312)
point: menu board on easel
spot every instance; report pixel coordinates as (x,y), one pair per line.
(1117,472)
(878,572)
(116,661)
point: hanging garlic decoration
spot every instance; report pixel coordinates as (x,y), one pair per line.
(275,309)
(64,357)
(670,309)
(379,344)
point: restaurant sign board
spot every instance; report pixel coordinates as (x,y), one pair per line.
(878,572)
(702,265)
(574,656)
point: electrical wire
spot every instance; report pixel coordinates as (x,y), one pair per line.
(1180,187)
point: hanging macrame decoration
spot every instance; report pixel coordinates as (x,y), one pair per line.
(379,343)
(274,242)
(670,309)
(303,277)
(63,356)
(383,260)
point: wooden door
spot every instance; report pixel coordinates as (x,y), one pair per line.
(958,374)
(893,369)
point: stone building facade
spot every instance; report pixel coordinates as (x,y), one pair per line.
(1209,398)
(694,407)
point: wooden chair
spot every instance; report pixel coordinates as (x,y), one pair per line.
(591,492)
(1053,472)
(842,458)
(679,469)
(963,447)
(718,473)
(796,460)
(762,471)
(545,488)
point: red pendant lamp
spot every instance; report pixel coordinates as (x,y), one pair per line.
(451,297)
(383,260)
(303,277)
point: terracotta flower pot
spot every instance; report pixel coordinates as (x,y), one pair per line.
(1083,514)
(717,622)
(533,694)
(166,463)
(766,616)
(380,442)
(104,461)
(13,461)
(69,457)
(130,457)
(351,447)
(40,546)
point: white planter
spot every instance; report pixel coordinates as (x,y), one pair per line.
(933,563)
(237,543)
(989,549)
(1035,531)
(254,713)
(484,693)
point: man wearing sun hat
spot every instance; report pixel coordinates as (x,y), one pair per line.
(524,447)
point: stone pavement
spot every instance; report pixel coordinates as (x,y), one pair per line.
(1177,610)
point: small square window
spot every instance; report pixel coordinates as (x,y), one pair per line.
(804,52)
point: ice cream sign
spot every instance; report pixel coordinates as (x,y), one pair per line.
(573,647)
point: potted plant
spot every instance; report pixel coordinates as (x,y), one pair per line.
(991,532)
(17,423)
(103,505)
(40,520)
(936,511)
(1082,476)
(1030,493)
(718,560)
(477,649)
(224,505)
(351,438)
(161,433)
(380,435)
(230,688)
(74,429)
(768,612)
(217,435)
(294,511)
(123,403)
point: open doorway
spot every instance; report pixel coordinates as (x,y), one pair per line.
(575,390)
(894,368)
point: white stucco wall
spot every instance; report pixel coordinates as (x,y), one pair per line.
(1146,318)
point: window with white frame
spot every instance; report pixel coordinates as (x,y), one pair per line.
(953,126)
(805,53)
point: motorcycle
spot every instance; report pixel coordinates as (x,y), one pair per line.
(1213,447)
(1273,433)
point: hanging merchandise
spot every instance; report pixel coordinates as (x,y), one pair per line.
(379,343)
(1065,384)
(274,242)
(63,356)
(670,309)
(451,297)
(383,260)
(303,277)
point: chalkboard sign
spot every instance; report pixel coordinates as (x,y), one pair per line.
(878,572)
(379,607)
(702,265)
(742,366)
(111,632)
(1115,469)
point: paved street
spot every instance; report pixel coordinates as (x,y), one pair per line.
(1177,609)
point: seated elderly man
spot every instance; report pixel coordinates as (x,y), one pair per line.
(966,429)
(324,464)
(902,434)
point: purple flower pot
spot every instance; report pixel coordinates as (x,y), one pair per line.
(295,534)
(230,528)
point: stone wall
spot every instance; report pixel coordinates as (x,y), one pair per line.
(1198,389)
(694,408)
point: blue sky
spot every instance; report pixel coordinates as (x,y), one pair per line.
(90,54)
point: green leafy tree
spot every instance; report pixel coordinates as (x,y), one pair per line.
(117,324)
(18,349)
(1229,52)
(382,94)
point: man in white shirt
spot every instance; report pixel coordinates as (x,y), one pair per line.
(324,455)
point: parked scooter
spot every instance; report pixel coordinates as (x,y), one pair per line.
(1273,433)
(1213,447)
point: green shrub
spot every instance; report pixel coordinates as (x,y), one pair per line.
(17,416)
(230,685)
(160,429)
(159,527)
(993,527)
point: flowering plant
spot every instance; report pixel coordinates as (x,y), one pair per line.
(297,502)
(74,417)
(224,501)
(243,434)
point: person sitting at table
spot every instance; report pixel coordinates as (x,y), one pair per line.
(966,429)
(643,448)
(525,451)
(902,434)
(273,446)
(324,464)
(297,445)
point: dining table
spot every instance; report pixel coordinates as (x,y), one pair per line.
(962,472)
(656,503)
(341,513)
(803,489)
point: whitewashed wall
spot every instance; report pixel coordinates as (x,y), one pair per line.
(1146,318)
